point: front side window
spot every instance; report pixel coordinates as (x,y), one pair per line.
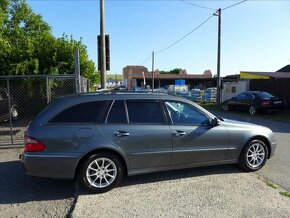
(183,113)
(144,111)
(82,113)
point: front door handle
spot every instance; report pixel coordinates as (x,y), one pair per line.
(121,133)
(179,133)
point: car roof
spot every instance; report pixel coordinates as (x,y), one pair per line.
(117,95)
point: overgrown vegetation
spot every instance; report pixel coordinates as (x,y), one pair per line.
(287,194)
(174,71)
(115,76)
(27,45)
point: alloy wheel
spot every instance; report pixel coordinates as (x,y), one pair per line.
(252,110)
(101,172)
(256,155)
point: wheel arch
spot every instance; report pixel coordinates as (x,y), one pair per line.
(101,150)
(263,139)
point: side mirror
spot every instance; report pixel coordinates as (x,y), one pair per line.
(214,122)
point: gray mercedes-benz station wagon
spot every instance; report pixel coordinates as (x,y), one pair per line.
(101,137)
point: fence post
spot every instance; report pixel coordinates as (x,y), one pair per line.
(9,110)
(47,90)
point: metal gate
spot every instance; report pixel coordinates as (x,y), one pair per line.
(23,97)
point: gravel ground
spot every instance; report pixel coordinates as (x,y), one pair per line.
(277,168)
(221,191)
(25,196)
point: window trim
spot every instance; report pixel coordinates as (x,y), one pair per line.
(109,110)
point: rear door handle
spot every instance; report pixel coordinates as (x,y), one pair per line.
(121,133)
(179,133)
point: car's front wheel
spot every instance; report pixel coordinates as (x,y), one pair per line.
(101,172)
(253,156)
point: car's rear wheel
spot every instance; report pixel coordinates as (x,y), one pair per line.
(253,156)
(252,110)
(225,107)
(101,172)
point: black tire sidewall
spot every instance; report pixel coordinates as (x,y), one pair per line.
(93,157)
(243,157)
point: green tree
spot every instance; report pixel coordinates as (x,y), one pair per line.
(27,45)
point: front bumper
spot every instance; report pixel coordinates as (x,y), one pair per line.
(50,165)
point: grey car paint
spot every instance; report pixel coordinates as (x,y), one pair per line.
(147,148)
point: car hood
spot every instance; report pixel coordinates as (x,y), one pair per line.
(235,123)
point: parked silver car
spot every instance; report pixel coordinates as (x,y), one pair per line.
(101,137)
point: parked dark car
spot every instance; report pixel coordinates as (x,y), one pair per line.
(253,102)
(5,110)
(100,137)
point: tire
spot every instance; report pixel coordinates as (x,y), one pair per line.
(101,172)
(225,107)
(252,110)
(253,156)
(14,114)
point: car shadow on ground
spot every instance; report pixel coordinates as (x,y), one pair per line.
(16,187)
(173,175)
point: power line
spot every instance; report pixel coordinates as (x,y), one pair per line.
(183,36)
(234,4)
(147,59)
(199,6)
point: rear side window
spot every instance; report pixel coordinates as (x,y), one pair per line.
(264,95)
(117,113)
(82,113)
(144,111)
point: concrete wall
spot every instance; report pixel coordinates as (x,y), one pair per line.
(231,89)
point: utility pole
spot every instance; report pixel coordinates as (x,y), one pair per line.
(77,70)
(103,49)
(218,94)
(153,71)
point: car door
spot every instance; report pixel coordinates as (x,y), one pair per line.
(238,102)
(195,140)
(139,128)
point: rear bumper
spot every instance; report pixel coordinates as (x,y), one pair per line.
(271,107)
(50,166)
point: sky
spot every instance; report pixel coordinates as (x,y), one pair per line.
(255,35)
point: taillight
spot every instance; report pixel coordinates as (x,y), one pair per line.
(32,145)
(266,102)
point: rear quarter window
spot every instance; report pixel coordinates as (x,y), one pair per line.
(87,112)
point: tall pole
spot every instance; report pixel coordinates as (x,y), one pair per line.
(153,71)
(103,49)
(77,70)
(218,94)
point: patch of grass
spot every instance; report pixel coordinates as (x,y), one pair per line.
(272,185)
(267,182)
(287,194)
(210,106)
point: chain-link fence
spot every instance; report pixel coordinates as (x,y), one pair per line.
(23,97)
